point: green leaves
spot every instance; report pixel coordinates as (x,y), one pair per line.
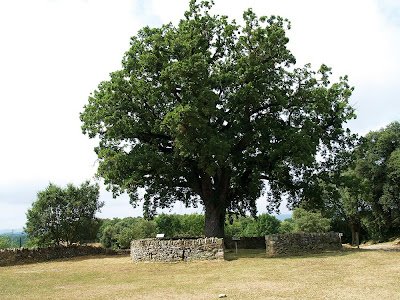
(369,190)
(207,110)
(307,221)
(64,215)
(245,226)
(378,165)
(6,242)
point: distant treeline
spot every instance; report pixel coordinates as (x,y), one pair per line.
(118,233)
(13,240)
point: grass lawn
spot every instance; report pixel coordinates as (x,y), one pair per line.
(348,274)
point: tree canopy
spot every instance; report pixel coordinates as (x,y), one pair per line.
(64,215)
(215,113)
(365,192)
(377,171)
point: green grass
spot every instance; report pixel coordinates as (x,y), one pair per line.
(248,275)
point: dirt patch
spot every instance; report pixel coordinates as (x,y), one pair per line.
(383,247)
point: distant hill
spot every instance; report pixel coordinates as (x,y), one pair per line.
(17,231)
(283,217)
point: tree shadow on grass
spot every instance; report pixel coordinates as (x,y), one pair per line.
(80,258)
(230,254)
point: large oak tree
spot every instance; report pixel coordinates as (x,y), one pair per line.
(213,112)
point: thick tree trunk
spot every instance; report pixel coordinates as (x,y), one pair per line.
(214,220)
(214,192)
(353,234)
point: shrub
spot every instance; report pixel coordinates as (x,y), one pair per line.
(307,221)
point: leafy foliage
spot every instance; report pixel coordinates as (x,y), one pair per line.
(365,192)
(6,242)
(104,224)
(287,226)
(307,221)
(180,225)
(245,226)
(14,240)
(139,229)
(212,112)
(64,215)
(118,233)
(109,237)
(377,168)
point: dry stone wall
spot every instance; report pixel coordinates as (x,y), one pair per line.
(19,256)
(169,250)
(245,243)
(294,243)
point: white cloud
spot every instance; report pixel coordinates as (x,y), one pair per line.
(54,54)
(169,11)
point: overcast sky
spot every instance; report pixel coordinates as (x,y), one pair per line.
(53,54)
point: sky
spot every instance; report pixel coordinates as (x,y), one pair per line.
(53,54)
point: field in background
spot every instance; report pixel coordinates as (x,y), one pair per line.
(351,274)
